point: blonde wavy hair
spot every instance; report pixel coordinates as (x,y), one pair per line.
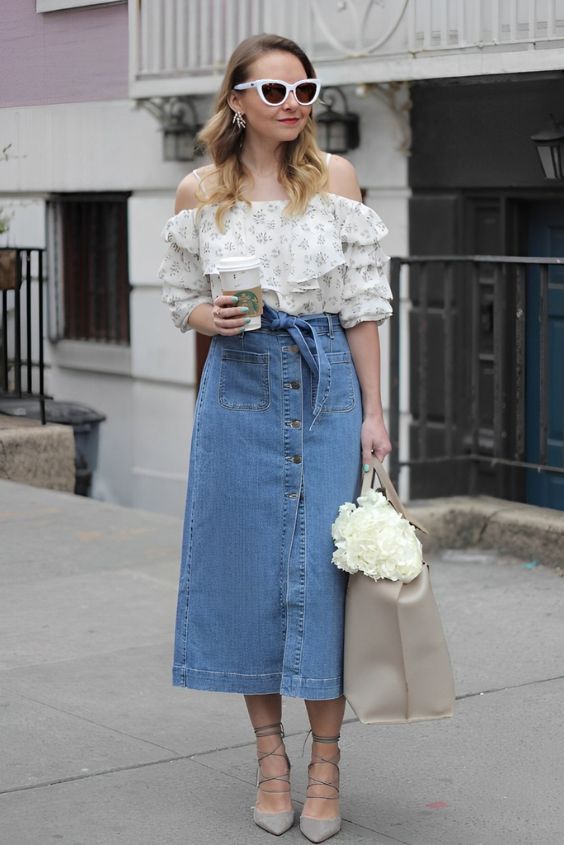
(303,170)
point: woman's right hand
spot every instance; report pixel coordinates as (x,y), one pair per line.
(228,318)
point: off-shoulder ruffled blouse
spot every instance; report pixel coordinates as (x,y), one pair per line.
(327,259)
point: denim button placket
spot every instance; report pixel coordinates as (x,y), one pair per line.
(293,479)
(292,367)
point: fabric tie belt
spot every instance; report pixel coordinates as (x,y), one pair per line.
(298,328)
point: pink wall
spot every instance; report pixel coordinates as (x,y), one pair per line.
(61,57)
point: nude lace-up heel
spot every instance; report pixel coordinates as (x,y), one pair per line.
(318,830)
(276,823)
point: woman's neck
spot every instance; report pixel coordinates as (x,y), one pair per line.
(263,164)
(262,159)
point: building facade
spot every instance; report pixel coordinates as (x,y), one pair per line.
(448,96)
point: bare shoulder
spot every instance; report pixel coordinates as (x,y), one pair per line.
(186,192)
(343,179)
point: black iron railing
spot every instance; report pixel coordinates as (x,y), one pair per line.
(22,316)
(474,370)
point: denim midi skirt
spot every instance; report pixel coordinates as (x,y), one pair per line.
(275,451)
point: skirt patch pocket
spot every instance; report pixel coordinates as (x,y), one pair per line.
(341,393)
(244,380)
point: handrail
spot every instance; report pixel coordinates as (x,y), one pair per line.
(480,259)
(22,324)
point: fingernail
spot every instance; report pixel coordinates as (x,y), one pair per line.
(235,299)
(242,329)
(247,319)
(243,309)
(366,467)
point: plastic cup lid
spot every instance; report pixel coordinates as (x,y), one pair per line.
(237,262)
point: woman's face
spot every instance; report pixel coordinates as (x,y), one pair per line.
(277,123)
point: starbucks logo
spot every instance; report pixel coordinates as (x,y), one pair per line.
(250,299)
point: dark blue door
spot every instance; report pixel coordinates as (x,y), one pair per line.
(546,239)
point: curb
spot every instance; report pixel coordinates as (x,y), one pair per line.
(485,522)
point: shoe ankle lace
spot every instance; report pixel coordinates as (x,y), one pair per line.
(268,730)
(314,781)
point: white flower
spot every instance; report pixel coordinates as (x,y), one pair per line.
(373,538)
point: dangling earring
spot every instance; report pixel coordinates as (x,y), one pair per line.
(239,120)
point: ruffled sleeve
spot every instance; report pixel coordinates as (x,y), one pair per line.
(366,292)
(184,283)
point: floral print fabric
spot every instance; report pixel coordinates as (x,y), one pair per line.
(327,259)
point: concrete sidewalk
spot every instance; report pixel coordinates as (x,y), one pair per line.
(97,748)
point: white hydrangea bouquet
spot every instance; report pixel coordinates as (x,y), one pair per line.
(375,538)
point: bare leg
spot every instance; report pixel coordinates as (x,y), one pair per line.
(325,718)
(267,710)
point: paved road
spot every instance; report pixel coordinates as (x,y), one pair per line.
(96,747)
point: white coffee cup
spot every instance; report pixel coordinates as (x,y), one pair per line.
(240,276)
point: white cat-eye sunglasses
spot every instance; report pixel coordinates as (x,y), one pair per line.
(274,92)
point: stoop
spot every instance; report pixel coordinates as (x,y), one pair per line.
(525,530)
(40,455)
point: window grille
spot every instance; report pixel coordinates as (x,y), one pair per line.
(88,245)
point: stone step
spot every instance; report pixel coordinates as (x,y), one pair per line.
(35,454)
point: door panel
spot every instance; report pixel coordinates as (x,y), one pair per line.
(546,238)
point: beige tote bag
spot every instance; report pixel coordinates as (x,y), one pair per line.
(396,663)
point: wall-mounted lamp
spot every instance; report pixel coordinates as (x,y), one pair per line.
(550,147)
(179,124)
(337,131)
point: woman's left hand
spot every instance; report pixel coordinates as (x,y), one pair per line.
(374,439)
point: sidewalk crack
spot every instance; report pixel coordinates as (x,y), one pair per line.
(91,721)
(72,778)
(510,686)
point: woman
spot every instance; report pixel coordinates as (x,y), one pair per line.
(284,414)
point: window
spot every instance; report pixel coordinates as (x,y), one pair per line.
(56,5)
(89,268)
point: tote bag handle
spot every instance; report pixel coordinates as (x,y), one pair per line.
(389,491)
